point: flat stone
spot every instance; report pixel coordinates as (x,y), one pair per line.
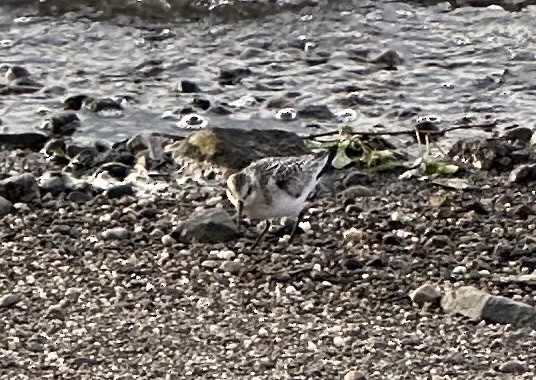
(20,188)
(207,226)
(10,300)
(513,367)
(237,148)
(116,233)
(32,141)
(479,305)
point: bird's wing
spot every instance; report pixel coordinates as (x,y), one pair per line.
(293,175)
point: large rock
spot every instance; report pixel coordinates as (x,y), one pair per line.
(207,226)
(236,148)
(489,154)
(5,206)
(32,141)
(523,174)
(20,188)
(479,305)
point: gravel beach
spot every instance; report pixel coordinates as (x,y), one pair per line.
(97,289)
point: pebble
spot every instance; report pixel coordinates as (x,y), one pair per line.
(117,233)
(353,235)
(10,300)
(210,264)
(426,293)
(513,367)
(460,269)
(232,267)
(355,375)
(168,241)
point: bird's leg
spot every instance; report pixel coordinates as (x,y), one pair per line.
(261,235)
(239,215)
(295,226)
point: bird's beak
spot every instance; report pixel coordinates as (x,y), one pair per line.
(239,206)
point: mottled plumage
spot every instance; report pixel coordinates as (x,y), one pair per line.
(276,187)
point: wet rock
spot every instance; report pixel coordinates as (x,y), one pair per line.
(513,367)
(231,74)
(187,86)
(236,148)
(202,103)
(207,226)
(53,184)
(355,375)
(316,111)
(523,174)
(488,154)
(20,188)
(388,60)
(116,233)
(356,178)
(477,304)
(10,300)
(352,263)
(438,241)
(148,212)
(76,102)
(119,191)
(377,261)
(32,141)
(137,144)
(5,206)
(62,124)
(426,294)
(55,90)
(115,169)
(518,135)
(78,196)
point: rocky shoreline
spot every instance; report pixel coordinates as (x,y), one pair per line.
(123,262)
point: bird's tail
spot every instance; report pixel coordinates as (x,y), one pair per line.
(327,157)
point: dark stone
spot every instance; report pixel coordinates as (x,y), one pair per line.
(20,188)
(352,263)
(506,311)
(220,110)
(377,262)
(10,300)
(392,239)
(189,86)
(207,226)
(438,241)
(55,90)
(119,191)
(316,111)
(356,178)
(5,207)
(62,124)
(93,104)
(230,75)
(236,148)
(204,104)
(523,211)
(77,196)
(32,141)
(115,169)
(518,135)
(54,185)
(477,207)
(488,153)
(523,174)
(389,60)
(148,212)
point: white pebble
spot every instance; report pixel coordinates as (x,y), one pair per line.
(168,241)
(460,269)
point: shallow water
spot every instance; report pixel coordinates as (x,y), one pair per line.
(453,69)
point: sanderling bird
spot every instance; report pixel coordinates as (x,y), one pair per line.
(276,187)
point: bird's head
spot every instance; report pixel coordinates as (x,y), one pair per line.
(16,72)
(240,191)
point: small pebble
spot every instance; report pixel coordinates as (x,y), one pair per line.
(117,233)
(168,241)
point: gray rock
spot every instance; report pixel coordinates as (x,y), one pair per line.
(78,197)
(426,293)
(5,206)
(389,60)
(356,178)
(168,241)
(10,300)
(355,375)
(488,153)
(62,124)
(232,267)
(54,185)
(357,191)
(32,141)
(119,191)
(520,135)
(479,305)
(513,367)
(316,111)
(237,148)
(20,188)
(207,226)
(116,233)
(523,174)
